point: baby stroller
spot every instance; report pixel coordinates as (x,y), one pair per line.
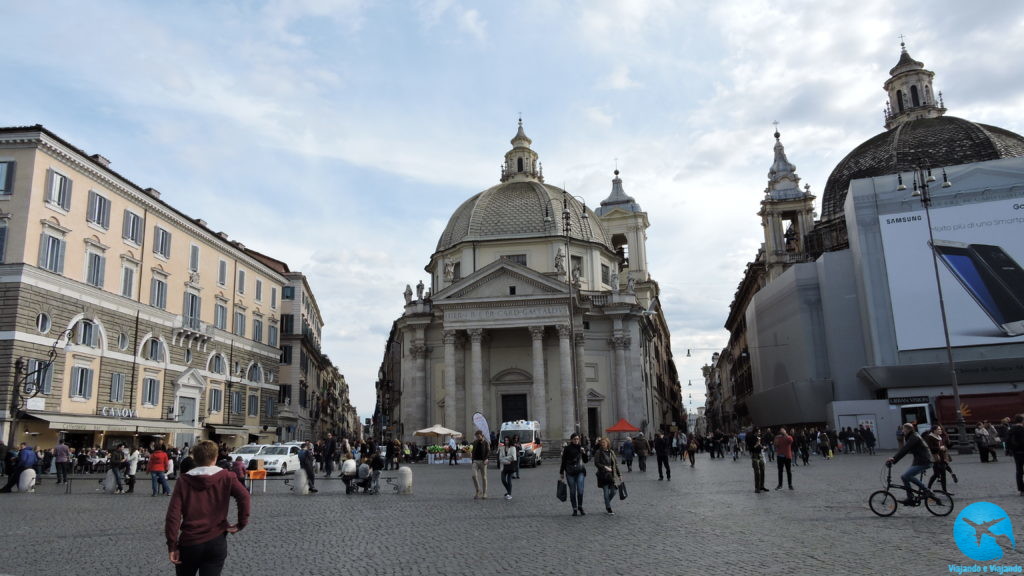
(356,478)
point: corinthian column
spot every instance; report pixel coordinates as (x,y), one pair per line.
(419,386)
(449,378)
(621,343)
(539,392)
(568,397)
(476,385)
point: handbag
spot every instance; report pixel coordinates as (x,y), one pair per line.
(622,491)
(562,491)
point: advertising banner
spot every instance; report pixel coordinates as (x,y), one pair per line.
(980,248)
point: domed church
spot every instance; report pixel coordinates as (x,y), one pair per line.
(538,308)
(907,295)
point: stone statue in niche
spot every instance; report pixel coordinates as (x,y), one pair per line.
(449,269)
(631,284)
(560,262)
(615,282)
(576,276)
(408,294)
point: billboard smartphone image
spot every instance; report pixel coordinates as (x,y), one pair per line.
(980,247)
(991,277)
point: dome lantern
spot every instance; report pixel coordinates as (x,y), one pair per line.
(910,92)
(521,162)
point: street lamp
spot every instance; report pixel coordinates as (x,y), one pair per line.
(27,386)
(922,179)
(572,277)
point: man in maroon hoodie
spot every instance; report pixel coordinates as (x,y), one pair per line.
(199,511)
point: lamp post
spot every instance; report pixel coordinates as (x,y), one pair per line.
(30,382)
(572,276)
(922,179)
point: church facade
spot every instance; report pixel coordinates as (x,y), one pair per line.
(539,308)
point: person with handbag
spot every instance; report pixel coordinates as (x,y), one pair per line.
(508,458)
(572,471)
(608,477)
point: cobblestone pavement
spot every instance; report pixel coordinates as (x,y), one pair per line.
(707,519)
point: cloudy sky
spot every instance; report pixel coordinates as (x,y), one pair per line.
(339,136)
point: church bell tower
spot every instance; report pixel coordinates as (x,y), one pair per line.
(787,215)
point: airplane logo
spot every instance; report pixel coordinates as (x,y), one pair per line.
(982,519)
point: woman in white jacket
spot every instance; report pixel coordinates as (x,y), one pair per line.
(133,467)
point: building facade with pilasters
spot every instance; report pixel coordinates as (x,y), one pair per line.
(539,308)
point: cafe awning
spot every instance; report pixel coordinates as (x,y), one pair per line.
(230,431)
(70,422)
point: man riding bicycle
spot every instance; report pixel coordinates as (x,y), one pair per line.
(914,444)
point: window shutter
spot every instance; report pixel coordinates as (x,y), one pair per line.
(43,242)
(102,270)
(106,214)
(125,226)
(75,375)
(49,185)
(67,196)
(92,215)
(60,256)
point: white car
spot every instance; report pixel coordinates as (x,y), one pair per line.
(247,452)
(280,458)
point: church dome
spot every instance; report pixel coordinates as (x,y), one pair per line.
(519,209)
(521,206)
(921,143)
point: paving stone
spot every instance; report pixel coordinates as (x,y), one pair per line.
(706,520)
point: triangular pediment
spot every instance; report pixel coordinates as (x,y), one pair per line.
(494,281)
(190,379)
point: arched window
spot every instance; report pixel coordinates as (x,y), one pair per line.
(899,100)
(217,364)
(914,98)
(519,162)
(255,373)
(154,350)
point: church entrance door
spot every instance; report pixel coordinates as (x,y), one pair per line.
(513,407)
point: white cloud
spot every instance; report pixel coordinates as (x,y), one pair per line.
(472,23)
(597,115)
(619,79)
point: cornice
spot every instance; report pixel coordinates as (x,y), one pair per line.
(62,153)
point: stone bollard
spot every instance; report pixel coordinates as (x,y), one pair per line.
(300,482)
(405,480)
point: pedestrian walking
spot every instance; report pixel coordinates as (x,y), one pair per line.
(158,470)
(784,456)
(307,460)
(196,524)
(62,459)
(643,450)
(507,457)
(608,478)
(25,460)
(1015,442)
(117,466)
(330,453)
(938,445)
(754,447)
(627,453)
(481,451)
(453,452)
(133,468)
(662,447)
(573,472)
(691,451)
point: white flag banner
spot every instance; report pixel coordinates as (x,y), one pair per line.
(481,424)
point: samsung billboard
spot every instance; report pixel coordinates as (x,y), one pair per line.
(980,248)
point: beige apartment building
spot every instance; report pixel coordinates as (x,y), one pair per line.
(162,329)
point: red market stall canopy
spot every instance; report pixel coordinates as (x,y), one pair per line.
(623,426)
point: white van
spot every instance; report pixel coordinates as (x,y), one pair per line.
(529,438)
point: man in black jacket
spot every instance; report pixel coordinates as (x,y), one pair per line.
(1015,445)
(754,447)
(913,444)
(330,452)
(662,447)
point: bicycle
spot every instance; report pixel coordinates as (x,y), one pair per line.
(884,503)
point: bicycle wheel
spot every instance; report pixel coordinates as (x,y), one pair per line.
(883,503)
(940,505)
